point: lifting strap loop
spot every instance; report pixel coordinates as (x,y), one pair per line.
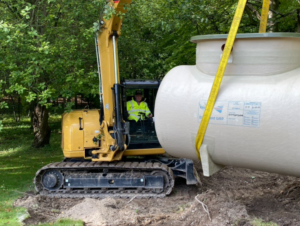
(219,76)
(264,16)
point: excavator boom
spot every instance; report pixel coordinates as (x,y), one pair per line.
(107,38)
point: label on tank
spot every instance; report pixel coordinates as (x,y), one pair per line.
(234,113)
(219,114)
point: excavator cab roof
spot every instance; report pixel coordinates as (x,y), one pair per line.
(141,84)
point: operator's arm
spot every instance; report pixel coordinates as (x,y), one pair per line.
(147,111)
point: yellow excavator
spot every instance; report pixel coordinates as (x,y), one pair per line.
(103,155)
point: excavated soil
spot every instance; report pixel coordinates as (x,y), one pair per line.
(232,196)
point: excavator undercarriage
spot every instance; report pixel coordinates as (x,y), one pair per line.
(143,179)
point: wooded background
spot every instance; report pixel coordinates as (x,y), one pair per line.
(47,49)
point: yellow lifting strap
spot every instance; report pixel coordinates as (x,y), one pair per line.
(264,16)
(219,76)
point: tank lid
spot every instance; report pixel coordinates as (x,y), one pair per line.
(198,38)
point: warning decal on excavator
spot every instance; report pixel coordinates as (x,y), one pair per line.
(233,113)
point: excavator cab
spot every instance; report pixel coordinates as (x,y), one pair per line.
(142,134)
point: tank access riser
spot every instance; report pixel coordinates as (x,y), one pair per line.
(145,179)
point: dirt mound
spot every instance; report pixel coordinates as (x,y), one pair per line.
(42,209)
(157,212)
(27,202)
(232,196)
(107,211)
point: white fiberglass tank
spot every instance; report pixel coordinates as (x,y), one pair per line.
(256,119)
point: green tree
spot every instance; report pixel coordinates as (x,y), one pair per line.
(47,50)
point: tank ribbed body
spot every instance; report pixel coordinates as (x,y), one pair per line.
(255,121)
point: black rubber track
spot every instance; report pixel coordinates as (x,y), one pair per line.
(139,167)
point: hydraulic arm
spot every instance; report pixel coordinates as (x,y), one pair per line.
(112,126)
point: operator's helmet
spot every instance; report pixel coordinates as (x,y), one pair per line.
(138,92)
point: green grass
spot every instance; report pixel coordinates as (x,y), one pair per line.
(260,222)
(19,162)
(64,222)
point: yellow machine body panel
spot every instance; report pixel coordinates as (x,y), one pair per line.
(72,136)
(81,127)
(150,151)
(91,127)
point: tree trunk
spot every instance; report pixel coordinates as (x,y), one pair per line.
(16,114)
(14,110)
(88,102)
(19,108)
(31,119)
(298,19)
(64,104)
(31,114)
(41,128)
(76,104)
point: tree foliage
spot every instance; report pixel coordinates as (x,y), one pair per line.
(47,48)
(156,34)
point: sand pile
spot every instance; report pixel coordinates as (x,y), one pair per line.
(96,212)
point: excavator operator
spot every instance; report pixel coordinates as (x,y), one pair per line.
(138,111)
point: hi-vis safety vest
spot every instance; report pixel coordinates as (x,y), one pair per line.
(134,110)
